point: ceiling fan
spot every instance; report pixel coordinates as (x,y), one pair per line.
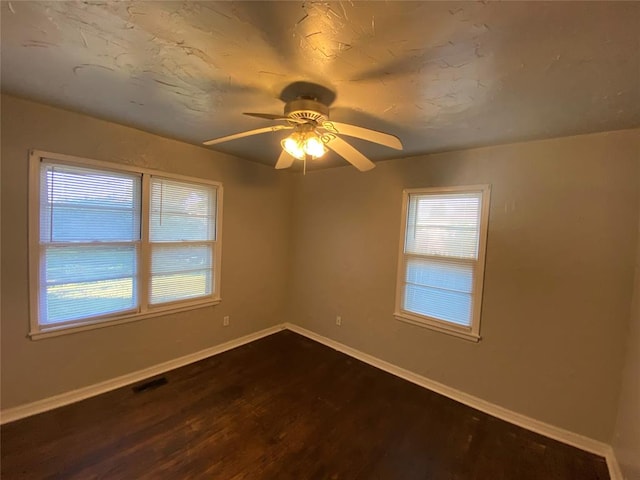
(313,134)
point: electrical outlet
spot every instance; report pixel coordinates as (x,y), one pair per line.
(225,321)
(339,320)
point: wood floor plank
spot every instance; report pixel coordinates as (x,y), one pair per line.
(283,407)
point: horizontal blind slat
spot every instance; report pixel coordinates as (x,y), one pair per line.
(453,307)
(181,211)
(440,273)
(181,286)
(443,224)
(85,204)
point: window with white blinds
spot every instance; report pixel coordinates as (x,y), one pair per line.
(182,236)
(89,242)
(441,264)
(110,243)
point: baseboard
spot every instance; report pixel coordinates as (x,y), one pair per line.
(551,431)
(26,410)
(615,472)
(565,436)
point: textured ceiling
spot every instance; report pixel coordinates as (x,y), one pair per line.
(439,75)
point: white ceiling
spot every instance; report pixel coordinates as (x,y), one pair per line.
(439,75)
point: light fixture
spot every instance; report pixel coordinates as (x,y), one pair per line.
(304,143)
(293,145)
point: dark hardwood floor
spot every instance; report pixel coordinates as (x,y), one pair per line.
(283,407)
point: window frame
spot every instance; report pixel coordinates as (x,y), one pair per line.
(144,308)
(471,332)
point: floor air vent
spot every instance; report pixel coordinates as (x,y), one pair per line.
(149,385)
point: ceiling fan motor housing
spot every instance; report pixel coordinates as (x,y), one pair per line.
(307,109)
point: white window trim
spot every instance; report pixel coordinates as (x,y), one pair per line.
(469,333)
(38,331)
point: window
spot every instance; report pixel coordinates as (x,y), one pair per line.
(113,243)
(182,240)
(441,264)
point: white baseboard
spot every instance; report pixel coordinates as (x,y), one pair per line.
(565,436)
(26,410)
(551,431)
(615,472)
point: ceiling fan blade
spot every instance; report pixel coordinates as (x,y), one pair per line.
(271,116)
(268,116)
(350,154)
(374,136)
(248,133)
(284,160)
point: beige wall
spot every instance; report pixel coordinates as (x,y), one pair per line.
(558,279)
(626,439)
(254,255)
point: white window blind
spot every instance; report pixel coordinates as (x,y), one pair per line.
(89,241)
(182,236)
(114,243)
(441,257)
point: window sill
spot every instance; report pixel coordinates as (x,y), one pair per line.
(438,326)
(55,331)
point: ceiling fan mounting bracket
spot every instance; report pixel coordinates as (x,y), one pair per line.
(303,89)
